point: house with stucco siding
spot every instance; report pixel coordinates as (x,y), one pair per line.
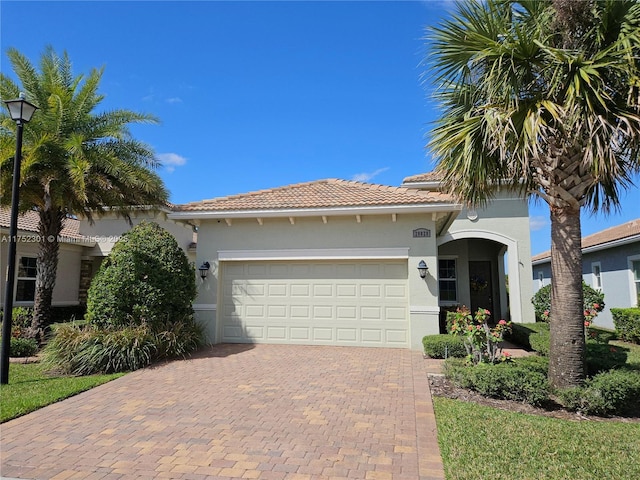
(83,246)
(610,263)
(328,262)
(335,262)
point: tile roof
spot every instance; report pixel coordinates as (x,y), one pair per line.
(328,193)
(423,177)
(619,232)
(28,222)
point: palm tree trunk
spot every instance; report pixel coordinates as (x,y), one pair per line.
(567,349)
(47,266)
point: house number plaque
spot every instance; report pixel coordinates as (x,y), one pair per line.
(421,233)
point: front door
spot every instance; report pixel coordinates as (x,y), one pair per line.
(481,286)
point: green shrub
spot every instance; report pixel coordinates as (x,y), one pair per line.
(146,279)
(534,363)
(456,370)
(520,333)
(602,357)
(593,300)
(627,323)
(601,335)
(23,347)
(510,381)
(609,393)
(178,339)
(86,350)
(443,346)
(540,342)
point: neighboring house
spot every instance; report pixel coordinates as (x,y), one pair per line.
(335,262)
(82,249)
(610,263)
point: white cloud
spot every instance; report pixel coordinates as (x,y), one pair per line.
(174,100)
(538,223)
(171,160)
(367,177)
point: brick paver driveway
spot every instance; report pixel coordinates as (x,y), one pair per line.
(240,411)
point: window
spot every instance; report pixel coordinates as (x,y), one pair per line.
(541,279)
(26,280)
(597,276)
(635,269)
(447,282)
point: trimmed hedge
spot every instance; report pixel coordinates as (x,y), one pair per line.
(443,346)
(23,347)
(542,300)
(602,357)
(627,323)
(540,342)
(609,393)
(520,333)
(519,380)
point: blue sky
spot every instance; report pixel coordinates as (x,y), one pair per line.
(255,95)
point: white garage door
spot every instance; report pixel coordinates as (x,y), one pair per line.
(324,302)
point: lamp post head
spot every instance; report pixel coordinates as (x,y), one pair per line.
(204,268)
(422,269)
(20,110)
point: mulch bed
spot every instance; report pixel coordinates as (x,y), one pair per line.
(441,387)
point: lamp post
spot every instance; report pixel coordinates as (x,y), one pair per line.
(20,111)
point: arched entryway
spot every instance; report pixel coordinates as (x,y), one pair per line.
(476,269)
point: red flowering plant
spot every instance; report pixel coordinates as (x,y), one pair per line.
(593,303)
(481,341)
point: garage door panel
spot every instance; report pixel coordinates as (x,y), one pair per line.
(300,312)
(320,311)
(323,302)
(371,313)
(254,311)
(277,311)
(372,336)
(300,333)
(300,290)
(323,290)
(276,333)
(233,332)
(347,313)
(346,290)
(347,334)
(256,269)
(255,332)
(395,290)
(396,337)
(277,290)
(322,334)
(254,289)
(395,314)
(370,291)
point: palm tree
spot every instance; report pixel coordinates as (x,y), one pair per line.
(542,96)
(75,160)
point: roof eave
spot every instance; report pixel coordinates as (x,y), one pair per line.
(596,248)
(313,212)
(428,185)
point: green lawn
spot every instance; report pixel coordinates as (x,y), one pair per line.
(479,442)
(30,388)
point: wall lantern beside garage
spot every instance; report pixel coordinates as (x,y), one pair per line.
(204,268)
(422,269)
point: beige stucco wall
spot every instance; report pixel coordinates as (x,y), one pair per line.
(375,231)
(65,291)
(107,229)
(506,221)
